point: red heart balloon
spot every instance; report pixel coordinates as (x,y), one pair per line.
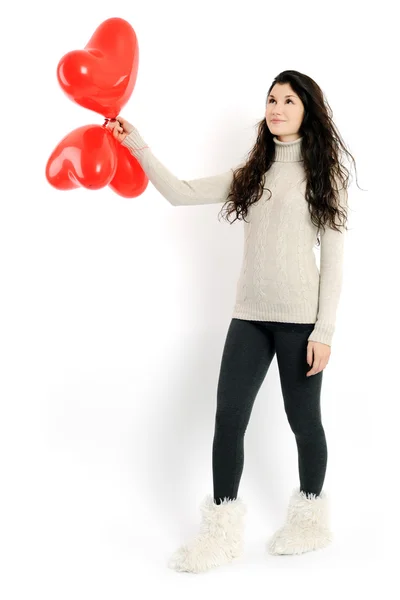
(102,76)
(86,157)
(129,180)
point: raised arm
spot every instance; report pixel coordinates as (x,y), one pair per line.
(179,192)
(330,279)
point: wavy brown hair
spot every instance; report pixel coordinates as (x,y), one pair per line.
(320,149)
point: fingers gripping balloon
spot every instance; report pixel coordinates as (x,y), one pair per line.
(100,78)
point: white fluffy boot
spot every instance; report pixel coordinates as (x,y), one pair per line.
(219,540)
(306,527)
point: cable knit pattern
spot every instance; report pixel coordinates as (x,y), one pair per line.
(279,279)
(281,252)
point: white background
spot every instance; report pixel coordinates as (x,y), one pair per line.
(114,311)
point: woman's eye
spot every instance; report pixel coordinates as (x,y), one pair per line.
(289,100)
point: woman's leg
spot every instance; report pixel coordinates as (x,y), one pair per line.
(301,396)
(247,355)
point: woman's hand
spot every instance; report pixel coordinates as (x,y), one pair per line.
(120,128)
(321,354)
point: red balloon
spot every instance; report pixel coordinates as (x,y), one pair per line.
(86,157)
(129,180)
(102,76)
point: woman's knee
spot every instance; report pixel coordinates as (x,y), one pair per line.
(228,422)
(306,428)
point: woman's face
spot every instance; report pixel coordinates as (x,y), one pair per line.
(285,105)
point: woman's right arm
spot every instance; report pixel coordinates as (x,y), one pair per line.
(179,192)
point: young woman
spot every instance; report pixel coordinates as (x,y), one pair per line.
(293,190)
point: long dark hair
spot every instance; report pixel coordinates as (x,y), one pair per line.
(320,148)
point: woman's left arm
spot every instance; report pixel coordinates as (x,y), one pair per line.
(330,278)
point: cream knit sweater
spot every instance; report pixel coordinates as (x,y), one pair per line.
(279,279)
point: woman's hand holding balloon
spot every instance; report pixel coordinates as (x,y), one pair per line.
(120,128)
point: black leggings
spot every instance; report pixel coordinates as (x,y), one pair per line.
(249,349)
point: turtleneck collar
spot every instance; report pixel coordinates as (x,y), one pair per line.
(288,151)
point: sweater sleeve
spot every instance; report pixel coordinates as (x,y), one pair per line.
(178,192)
(330,278)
